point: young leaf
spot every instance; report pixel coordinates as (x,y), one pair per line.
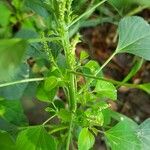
(6,141)
(83,55)
(134,37)
(12,112)
(123,135)
(94,117)
(11,53)
(64,115)
(106,89)
(50,83)
(35,138)
(143,134)
(86,139)
(45,96)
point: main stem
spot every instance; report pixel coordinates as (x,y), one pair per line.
(72,79)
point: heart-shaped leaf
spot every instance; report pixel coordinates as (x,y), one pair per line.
(35,138)
(128,134)
(123,136)
(12,112)
(11,53)
(86,139)
(106,89)
(143,134)
(134,37)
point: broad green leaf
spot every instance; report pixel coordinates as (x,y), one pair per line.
(123,136)
(143,134)
(37,6)
(85,140)
(145,87)
(91,67)
(16,91)
(106,89)
(12,112)
(45,96)
(35,138)
(11,53)
(4,14)
(6,141)
(50,83)
(134,37)
(64,115)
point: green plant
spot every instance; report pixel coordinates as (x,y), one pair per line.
(47,34)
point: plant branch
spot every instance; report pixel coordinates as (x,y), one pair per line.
(70,131)
(107,61)
(58,129)
(21,81)
(109,80)
(45,122)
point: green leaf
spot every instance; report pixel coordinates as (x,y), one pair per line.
(16,91)
(94,117)
(12,112)
(64,115)
(6,141)
(143,134)
(4,14)
(106,89)
(37,6)
(45,96)
(50,83)
(120,5)
(134,37)
(145,87)
(83,55)
(11,53)
(123,136)
(85,140)
(35,138)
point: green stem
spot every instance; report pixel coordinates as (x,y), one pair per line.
(136,10)
(21,81)
(107,61)
(70,132)
(73,72)
(120,83)
(45,122)
(70,59)
(58,129)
